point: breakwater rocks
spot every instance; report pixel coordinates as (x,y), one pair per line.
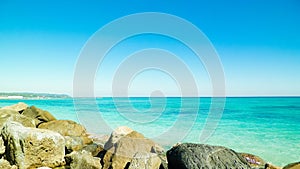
(33,138)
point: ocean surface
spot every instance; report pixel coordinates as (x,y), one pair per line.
(265,126)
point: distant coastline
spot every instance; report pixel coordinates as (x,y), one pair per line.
(25,95)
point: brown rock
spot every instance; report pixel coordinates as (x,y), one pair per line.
(126,148)
(65,127)
(39,115)
(6,165)
(116,135)
(31,147)
(145,161)
(12,115)
(17,107)
(83,160)
(253,160)
(293,166)
(270,166)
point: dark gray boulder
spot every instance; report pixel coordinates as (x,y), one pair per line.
(201,156)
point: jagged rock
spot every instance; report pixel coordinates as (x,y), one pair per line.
(293,166)
(254,161)
(75,134)
(73,144)
(65,127)
(4,164)
(19,107)
(270,166)
(83,160)
(94,149)
(116,135)
(12,115)
(2,147)
(39,115)
(198,156)
(31,147)
(164,161)
(122,152)
(142,160)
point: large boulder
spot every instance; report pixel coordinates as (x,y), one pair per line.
(64,127)
(271,166)
(198,156)
(116,135)
(75,134)
(4,164)
(83,160)
(293,166)
(142,160)
(127,149)
(254,161)
(31,147)
(20,107)
(2,147)
(12,115)
(39,115)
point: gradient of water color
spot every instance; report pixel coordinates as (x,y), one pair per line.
(265,126)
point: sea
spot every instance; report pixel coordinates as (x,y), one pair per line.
(268,127)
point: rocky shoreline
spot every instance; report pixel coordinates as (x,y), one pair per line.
(34,138)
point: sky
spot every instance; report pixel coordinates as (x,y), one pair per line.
(258,44)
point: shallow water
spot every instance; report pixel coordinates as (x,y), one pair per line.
(265,126)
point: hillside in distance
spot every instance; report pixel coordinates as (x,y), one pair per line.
(30,95)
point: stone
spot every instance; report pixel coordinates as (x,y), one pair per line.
(75,134)
(6,165)
(122,152)
(83,160)
(142,160)
(8,112)
(12,115)
(116,135)
(73,144)
(2,147)
(270,166)
(65,127)
(93,148)
(31,147)
(292,166)
(20,107)
(39,115)
(254,161)
(198,156)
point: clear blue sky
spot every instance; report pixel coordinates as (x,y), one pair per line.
(257,41)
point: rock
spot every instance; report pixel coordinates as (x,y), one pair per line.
(293,166)
(12,115)
(254,161)
(75,134)
(6,165)
(94,149)
(39,115)
(83,160)
(198,156)
(164,161)
(145,161)
(65,127)
(2,147)
(270,166)
(73,144)
(8,112)
(127,146)
(31,147)
(116,135)
(20,107)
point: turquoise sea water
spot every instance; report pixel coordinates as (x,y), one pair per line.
(265,126)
